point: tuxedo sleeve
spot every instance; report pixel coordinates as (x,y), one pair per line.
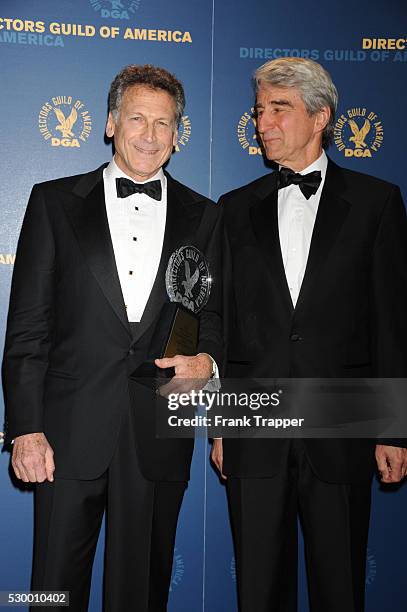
(389,295)
(30,321)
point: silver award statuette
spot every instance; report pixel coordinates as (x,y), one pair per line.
(188,283)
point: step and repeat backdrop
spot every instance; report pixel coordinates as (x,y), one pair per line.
(60,56)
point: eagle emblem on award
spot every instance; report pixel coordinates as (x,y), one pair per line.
(188,283)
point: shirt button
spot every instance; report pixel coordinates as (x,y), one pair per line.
(130,272)
(295,337)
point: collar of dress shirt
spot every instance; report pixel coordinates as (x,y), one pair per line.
(112,172)
(320,164)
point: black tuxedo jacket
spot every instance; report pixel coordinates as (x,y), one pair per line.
(69,348)
(349,320)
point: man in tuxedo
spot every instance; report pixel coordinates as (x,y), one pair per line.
(319,290)
(87,291)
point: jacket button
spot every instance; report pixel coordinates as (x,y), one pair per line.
(131,352)
(295,337)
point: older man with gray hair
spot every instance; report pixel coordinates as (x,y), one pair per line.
(326,251)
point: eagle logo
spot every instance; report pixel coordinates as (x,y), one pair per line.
(190,281)
(359,135)
(66,124)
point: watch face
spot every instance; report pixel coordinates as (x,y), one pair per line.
(187,279)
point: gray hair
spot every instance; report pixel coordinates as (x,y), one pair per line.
(312,81)
(150,76)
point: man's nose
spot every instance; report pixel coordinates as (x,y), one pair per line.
(265,122)
(149,131)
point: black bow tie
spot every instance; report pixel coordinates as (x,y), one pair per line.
(125,187)
(308,183)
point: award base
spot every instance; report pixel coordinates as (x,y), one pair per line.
(176,333)
(184,330)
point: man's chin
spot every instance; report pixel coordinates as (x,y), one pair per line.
(271,154)
(143,173)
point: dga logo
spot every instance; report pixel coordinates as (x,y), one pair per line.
(115,9)
(247,133)
(371,568)
(187,278)
(178,570)
(358,133)
(184,133)
(65,122)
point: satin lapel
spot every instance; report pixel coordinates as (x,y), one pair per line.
(332,212)
(177,230)
(264,216)
(89,220)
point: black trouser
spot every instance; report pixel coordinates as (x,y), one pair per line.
(141,520)
(335,521)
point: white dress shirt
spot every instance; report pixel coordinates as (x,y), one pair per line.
(137,225)
(296,218)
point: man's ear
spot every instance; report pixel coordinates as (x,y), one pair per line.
(175,138)
(322,119)
(110,125)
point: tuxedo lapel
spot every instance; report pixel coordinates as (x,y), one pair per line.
(264,217)
(177,232)
(332,211)
(87,213)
